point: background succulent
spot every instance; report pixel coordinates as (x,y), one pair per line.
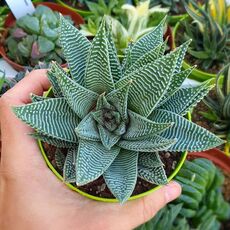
(210,32)
(115,118)
(201,205)
(219,109)
(34,38)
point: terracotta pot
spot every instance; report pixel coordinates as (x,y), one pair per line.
(10,21)
(214,155)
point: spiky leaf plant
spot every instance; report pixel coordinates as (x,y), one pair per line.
(113,118)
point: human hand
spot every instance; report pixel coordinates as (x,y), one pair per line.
(32,198)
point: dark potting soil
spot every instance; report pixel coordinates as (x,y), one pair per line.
(99,188)
(214,69)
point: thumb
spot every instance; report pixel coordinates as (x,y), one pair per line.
(139,211)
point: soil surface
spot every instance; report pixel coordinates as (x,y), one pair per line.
(98,187)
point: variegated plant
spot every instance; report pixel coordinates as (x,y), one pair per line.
(114,119)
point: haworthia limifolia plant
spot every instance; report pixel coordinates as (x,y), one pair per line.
(114,118)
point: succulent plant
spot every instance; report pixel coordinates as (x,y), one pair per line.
(219,109)
(34,38)
(114,119)
(210,32)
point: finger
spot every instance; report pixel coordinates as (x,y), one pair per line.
(17,147)
(137,212)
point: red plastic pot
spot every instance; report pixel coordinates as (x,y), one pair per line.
(10,21)
(214,155)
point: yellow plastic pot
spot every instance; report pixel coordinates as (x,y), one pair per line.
(177,169)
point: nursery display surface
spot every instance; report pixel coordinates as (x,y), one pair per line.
(118,121)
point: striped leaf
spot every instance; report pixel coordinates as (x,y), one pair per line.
(149,160)
(93,159)
(148,42)
(154,175)
(119,98)
(190,137)
(113,59)
(151,144)
(59,159)
(121,176)
(108,139)
(36,98)
(52,117)
(75,48)
(149,84)
(121,129)
(102,103)
(80,99)
(52,141)
(140,127)
(175,84)
(69,171)
(148,57)
(53,80)
(226,106)
(87,129)
(126,63)
(186,98)
(98,77)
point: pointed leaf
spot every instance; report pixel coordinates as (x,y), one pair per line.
(36,98)
(149,160)
(93,159)
(140,127)
(186,98)
(53,80)
(126,63)
(190,137)
(52,117)
(151,144)
(148,42)
(108,139)
(121,176)
(154,175)
(121,129)
(75,48)
(59,159)
(119,98)
(102,103)
(52,141)
(149,84)
(69,171)
(87,129)
(80,99)
(98,76)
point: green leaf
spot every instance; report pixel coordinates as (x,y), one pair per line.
(226,107)
(75,48)
(93,159)
(45,45)
(59,159)
(121,176)
(69,171)
(87,129)
(30,24)
(140,127)
(108,138)
(80,99)
(36,98)
(190,137)
(149,84)
(151,144)
(186,98)
(98,77)
(148,42)
(149,160)
(154,175)
(59,143)
(52,117)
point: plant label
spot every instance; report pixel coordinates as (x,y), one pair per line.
(20,8)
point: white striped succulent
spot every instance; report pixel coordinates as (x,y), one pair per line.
(115,118)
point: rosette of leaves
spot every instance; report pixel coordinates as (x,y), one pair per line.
(209,31)
(114,119)
(34,38)
(219,109)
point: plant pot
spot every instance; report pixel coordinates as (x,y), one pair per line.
(83,13)
(214,155)
(110,200)
(10,21)
(196,74)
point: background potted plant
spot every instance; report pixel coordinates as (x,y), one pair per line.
(34,38)
(116,123)
(208,26)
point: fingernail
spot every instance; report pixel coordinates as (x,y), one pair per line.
(172,191)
